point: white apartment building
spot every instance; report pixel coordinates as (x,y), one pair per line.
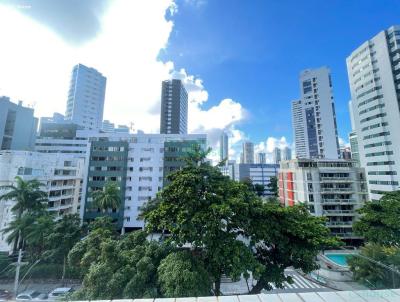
(61,175)
(335,189)
(139,164)
(374,77)
(314,118)
(86,96)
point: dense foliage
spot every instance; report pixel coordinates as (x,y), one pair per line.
(231,230)
(378,263)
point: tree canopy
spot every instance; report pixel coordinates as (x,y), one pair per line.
(231,229)
(380,220)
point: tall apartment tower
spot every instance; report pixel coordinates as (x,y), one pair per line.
(276,155)
(86,94)
(374,77)
(314,118)
(261,158)
(174,108)
(286,154)
(224,147)
(248,153)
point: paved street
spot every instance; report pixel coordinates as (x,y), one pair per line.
(300,285)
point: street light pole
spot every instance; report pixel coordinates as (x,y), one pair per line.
(18,266)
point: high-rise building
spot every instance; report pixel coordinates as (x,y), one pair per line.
(248,153)
(261,158)
(17,126)
(286,154)
(276,155)
(334,189)
(345,153)
(174,108)
(314,118)
(354,146)
(86,95)
(224,147)
(374,77)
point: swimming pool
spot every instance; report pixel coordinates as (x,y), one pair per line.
(339,259)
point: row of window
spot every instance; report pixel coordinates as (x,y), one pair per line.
(372,108)
(376,135)
(381,163)
(375,126)
(379,153)
(383,182)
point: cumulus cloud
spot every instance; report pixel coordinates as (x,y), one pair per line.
(75,20)
(343,143)
(270,144)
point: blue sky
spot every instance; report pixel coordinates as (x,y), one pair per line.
(252,51)
(239,60)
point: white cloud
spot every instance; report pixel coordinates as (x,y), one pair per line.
(36,65)
(270,144)
(343,143)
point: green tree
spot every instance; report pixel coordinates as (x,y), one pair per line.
(380,220)
(273,186)
(65,233)
(292,237)
(124,267)
(182,275)
(208,211)
(108,198)
(36,234)
(231,229)
(371,274)
(86,251)
(29,198)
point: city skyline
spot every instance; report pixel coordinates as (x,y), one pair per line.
(247,112)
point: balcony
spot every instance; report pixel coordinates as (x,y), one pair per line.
(339,212)
(334,179)
(339,190)
(339,223)
(339,201)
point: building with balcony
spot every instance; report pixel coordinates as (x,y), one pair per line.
(374,76)
(314,117)
(334,189)
(60,174)
(139,163)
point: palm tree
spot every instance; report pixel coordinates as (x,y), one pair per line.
(27,194)
(108,198)
(29,199)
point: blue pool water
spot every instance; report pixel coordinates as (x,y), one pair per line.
(340,259)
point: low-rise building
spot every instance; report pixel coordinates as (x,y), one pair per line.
(335,189)
(259,174)
(60,174)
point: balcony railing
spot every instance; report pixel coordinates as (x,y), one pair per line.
(338,212)
(338,201)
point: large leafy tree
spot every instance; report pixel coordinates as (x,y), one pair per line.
(231,229)
(286,237)
(208,211)
(123,267)
(181,274)
(65,233)
(380,220)
(108,198)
